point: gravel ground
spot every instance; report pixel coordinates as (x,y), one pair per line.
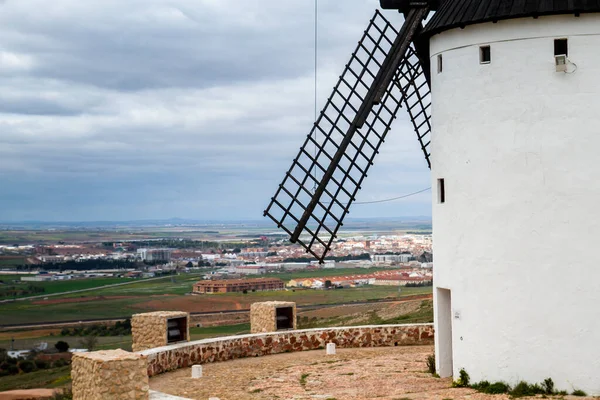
(396,373)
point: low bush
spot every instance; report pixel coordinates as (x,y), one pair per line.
(62,346)
(59,363)
(463,379)
(579,393)
(65,394)
(119,328)
(431,364)
(522,389)
(27,366)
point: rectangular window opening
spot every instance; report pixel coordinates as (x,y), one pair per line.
(485,55)
(440,64)
(441,191)
(561,47)
(284,318)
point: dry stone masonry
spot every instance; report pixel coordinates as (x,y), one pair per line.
(151,330)
(184,355)
(272,316)
(110,375)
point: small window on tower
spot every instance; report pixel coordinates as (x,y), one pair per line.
(485,55)
(441,191)
(440,63)
(561,47)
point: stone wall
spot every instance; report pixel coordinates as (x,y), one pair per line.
(184,355)
(263,315)
(110,374)
(149,330)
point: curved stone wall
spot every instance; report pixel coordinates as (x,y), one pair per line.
(183,355)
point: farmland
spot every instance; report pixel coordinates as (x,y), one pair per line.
(12,289)
(151,298)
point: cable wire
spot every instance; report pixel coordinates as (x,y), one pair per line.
(393,198)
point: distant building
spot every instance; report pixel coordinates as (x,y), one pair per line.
(399,280)
(250,270)
(51,259)
(161,255)
(291,266)
(391,258)
(238,285)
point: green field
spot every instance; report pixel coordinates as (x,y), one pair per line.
(47,378)
(55,286)
(176,285)
(25,312)
(168,293)
(7,262)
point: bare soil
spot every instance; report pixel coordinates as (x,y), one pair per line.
(397,373)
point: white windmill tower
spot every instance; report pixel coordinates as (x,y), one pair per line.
(514,90)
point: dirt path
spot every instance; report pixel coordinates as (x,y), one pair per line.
(29,394)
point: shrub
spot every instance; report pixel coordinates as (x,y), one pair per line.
(27,366)
(62,346)
(524,389)
(65,394)
(431,364)
(41,364)
(491,388)
(498,388)
(579,393)
(463,379)
(548,386)
(89,342)
(59,363)
(13,370)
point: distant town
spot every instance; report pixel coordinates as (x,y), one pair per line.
(224,266)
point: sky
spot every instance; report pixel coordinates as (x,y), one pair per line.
(155,109)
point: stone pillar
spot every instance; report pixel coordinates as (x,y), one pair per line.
(264,316)
(150,330)
(109,374)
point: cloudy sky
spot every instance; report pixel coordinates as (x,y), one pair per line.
(151,109)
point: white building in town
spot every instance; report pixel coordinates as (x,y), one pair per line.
(161,255)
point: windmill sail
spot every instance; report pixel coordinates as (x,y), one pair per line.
(383,73)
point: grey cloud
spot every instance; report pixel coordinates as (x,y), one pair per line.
(133,110)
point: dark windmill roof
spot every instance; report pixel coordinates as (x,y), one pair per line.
(460,13)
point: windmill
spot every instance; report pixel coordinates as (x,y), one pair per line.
(388,70)
(515,89)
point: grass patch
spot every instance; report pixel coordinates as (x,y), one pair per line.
(303,379)
(522,389)
(216,331)
(579,393)
(47,378)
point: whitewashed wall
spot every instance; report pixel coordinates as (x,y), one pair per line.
(518,145)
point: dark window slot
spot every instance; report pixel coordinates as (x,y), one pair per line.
(561,47)
(485,55)
(176,330)
(441,191)
(285,318)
